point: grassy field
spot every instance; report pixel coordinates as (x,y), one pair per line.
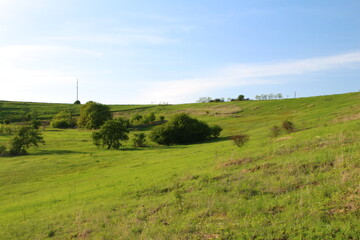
(303,185)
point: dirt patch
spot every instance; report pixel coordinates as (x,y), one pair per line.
(283,138)
(346,118)
(236,162)
(260,167)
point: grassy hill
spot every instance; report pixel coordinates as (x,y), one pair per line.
(303,185)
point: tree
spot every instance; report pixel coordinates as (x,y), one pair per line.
(26,137)
(63,119)
(93,115)
(241,98)
(181,129)
(111,133)
(204,100)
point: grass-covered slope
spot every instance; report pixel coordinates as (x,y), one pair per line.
(303,185)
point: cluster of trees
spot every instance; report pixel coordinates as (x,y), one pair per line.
(182,129)
(110,134)
(269,96)
(150,119)
(209,99)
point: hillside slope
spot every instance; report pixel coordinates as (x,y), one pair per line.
(303,185)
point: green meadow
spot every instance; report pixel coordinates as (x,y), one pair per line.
(302,185)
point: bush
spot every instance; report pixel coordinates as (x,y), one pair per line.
(2,149)
(77,102)
(93,115)
(275,131)
(148,119)
(162,118)
(240,139)
(136,119)
(181,129)
(63,119)
(288,126)
(215,131)
(111,133)
(26,137)
(139,140)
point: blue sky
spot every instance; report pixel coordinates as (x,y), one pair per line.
(176,51)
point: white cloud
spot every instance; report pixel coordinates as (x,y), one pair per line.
(243,74)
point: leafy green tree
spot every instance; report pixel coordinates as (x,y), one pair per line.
(111,133)
(241,98)
(181,129)
(63,119)
(93,115)
(26,137)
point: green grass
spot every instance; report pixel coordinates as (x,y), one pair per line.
(303,185)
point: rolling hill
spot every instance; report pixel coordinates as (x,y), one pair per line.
(302,185)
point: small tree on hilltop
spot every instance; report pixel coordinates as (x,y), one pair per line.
(93,115)
(111,133)
(26,137)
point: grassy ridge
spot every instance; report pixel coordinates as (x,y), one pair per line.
(303,185)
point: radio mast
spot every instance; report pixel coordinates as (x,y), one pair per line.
(77,90)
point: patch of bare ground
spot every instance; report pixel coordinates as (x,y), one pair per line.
(216,110)
(236,162)
(259,167)
(346,118)
(349,202)
(292,187)
(283,138)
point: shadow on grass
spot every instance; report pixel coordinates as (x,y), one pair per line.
(58,152)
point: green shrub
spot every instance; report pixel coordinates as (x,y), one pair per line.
(2,149)
(63,119)
(111,133)
(181,129)
(275,131)
(93,115)
(240,139)
(136,119)
(215,131)
(148,119)
(288,126)
(26,137)
(162,118)
(139,140)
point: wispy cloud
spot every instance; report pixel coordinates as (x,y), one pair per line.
(121,39)
(245,74)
